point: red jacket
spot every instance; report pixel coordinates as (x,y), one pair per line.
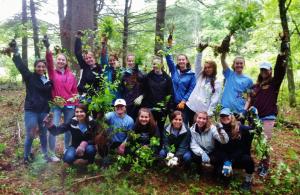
(64,84)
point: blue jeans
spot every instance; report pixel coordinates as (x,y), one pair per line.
(33,122)
(89,154)
(68,114)
(186,157)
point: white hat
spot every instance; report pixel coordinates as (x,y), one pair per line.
(120,102)
(265,65)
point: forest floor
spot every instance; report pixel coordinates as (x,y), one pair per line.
(55,178)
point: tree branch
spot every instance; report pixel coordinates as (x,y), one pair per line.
(288,5)
(201,2)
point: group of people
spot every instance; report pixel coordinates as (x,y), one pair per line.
(144,101)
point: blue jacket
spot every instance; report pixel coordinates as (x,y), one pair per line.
(183,83)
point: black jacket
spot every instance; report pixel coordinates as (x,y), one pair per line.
(37,93)
(77,135)
(131,86)
(91,77)
(156,89)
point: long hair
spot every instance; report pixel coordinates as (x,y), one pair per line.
(85,109)
(260,82)
(213,77)
(64,55)
(188,64)
(235,126)
(151,126)
(208,121)
(236,58)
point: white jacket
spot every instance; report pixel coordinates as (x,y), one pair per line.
(202,98)
(205,141)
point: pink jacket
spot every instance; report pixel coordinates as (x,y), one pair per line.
(64,85)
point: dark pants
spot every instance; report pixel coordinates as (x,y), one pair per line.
(89,154)
(214,160)
(188,116)
(132,111)
(160,118)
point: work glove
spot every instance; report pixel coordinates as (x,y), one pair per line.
(253,110)
(205,158)
(46,41)
(219,127)
(13,46)
(138,100)
(181,105)
(81,148)
(171,160)
(201,46)
(227,169)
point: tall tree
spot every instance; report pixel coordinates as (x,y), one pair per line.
(79,16)
(35,29)
(283,9)
(160,25)
(25,36)
(126,28)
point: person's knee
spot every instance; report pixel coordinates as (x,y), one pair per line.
(90,150)
(187,157)
(70,155)
(162,153)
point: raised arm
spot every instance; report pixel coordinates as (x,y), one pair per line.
(50,64)
(78,53)
(54,130)
(21,66)
(223,61)
(171,64)
(104,53)
(198,65)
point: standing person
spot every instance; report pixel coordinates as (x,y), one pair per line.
(91,75)
(158,93)
(264,98)
(38,93)
(83,129)
(207,91)
(236,86)
(183,79)
(177,135)
(131,86)
(119,124)
(204,136)
(237,151)
(65,87)
(146,127)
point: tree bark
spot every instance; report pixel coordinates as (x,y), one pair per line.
(125,31)
(25,36)
(290,75)
(35,29)
(160,25)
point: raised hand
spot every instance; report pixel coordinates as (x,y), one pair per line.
(46,41)
(13,46)
(201,46)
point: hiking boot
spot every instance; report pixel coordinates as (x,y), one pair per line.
(246,186)
(263,171)
(31,156)
(54,158)
(26,161)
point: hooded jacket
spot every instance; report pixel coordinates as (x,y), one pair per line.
(64,84)
(77,135)
(181,141)
(89,76)
(37,93)
(204,141)
(183,82)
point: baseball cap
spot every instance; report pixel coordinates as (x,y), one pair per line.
(226,111)
(120,102)
(265,65)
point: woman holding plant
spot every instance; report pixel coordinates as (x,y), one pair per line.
(83,130)
(64,93)
(38,93)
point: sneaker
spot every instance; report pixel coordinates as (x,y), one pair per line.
(246,186)
(263,171)
(54,158)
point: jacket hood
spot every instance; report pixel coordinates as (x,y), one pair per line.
(193,128)
(182,130)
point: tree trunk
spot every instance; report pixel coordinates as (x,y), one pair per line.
(25,36)
(35,29)
(125,31)
(73,21)
(160,25)
(290,75)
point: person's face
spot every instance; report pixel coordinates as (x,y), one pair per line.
(225,119)
(144,118)
(156,65)
(61,61)
(80,114)
(120,109)
(208,69)
(182,61)
(40,68)
(130,61)
(201,120)
(239,65)
(112,61)
(177,122)
(89,59)
(265,74)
